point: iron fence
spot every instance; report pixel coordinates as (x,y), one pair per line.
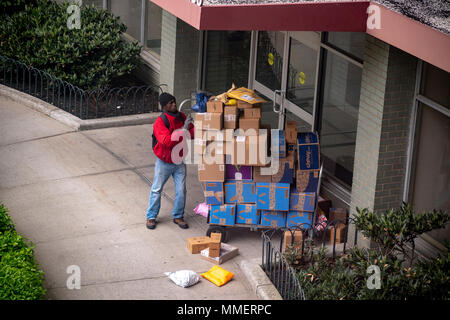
(84,104)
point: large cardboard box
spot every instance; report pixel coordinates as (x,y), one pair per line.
(224,215)
(290,132)
(213,192)
(211,172)
(286,169)
(258,176)
(302,201)
(338,214)
(249,123)
(340,234)
(209,121)
(278,147)
(273,219)
(308,151)
(227,252)
(307,181)
(214,106)
(240,192)
(197,244)
(230,117)
(300,219)
(252,113)
(247,214)
(293,239)
(247,150)
(272,196)
(235,172)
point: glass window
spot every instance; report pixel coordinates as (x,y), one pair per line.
(339,119)
(349,42)
(436,84)
(129,12)
(227,60)
(96,3)
(431,182)
(269,60)
(153,35)
(301,75)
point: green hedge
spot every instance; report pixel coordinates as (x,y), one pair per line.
(89,57)
(20,276)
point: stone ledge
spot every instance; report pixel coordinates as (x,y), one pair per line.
(259,281)
(69,119)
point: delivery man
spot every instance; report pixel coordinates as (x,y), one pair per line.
(166,135)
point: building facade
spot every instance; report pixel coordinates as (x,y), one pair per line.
(379,98)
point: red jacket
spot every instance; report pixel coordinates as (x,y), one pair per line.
(163,149)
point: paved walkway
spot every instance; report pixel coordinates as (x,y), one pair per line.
(81,197)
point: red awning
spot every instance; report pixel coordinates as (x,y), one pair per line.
(304,16)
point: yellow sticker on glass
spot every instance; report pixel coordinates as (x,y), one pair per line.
(301,77)
(270,59)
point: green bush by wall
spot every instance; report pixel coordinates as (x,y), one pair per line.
(89,57)
(20,276)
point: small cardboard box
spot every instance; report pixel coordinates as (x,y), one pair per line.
(278,147)
(273,219)
(197,244)
(240,191)
(286,169)
(213,192)
(227,252)
(290,132)
(235,172)
(214,172)
(340,234)
(214,245)
(307,181)
(338,214)
(247,214)
(252,113)
(230,117)
(259,177)
(224,215)
(272,196)
(302,201)
(243,105)
(293,239)
(246,124)
(300,219)
(308,151)
(209,121)
(214,106)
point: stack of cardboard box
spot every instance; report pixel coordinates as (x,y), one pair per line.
(246,188)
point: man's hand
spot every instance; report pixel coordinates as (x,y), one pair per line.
(187,122)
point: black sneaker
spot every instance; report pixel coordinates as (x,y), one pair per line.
(151,224)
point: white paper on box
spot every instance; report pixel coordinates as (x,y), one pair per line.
(240,139)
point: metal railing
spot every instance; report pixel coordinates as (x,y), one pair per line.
(84,104)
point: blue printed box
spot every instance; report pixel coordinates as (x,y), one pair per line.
(272,196)
(273,219)
(247,214)
(224,215)
(213,192)
(240,191)
(307,181)
(286,170)
(299,219)
(302,201)
(278,147)
(308,151)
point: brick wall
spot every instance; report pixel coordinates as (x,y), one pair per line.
(382,136)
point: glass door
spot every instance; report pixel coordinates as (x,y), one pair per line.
(286,73)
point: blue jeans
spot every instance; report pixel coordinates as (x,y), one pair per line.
(163,171)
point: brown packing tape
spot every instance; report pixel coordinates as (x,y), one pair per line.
(272,199)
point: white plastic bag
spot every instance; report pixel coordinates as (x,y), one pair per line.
(183,278)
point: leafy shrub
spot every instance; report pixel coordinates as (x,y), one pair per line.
(88,57)
(322,277)
(20,277)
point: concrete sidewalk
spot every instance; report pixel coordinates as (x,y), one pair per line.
(81,196)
